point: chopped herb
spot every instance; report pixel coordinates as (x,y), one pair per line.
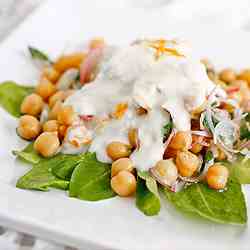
(167,129)
(247,117)
(244,131)
(37,54)
(208,156)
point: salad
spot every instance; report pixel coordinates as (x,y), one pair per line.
(147,120)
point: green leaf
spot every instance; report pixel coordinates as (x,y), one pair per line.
(240,170)
(64,168)
(147,198)
(222,207)
(28,154)
(91,180)
(38,54)
(151,183)
(40,177)
(12,95)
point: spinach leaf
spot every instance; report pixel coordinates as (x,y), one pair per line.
(28,154)
(147,196)
(38,54)
(221,207)
(12,95)
(240,170)
(40,177)
(150,182)
(91,180)
(64,168)
(50,172)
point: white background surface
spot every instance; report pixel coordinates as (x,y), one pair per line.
(224,15)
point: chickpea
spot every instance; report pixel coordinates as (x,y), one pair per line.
(242,84)
(245,75)
(195,114)
(58,96)
(29,127)
(124,183)
(120,165)
(221,155)
(181,141)
(227,75)
(187,163)
(69,61)
(66,115)
(51,126)
(196,146)
(133,137)
(32,105)
(217,176)
(47,144)
(244,92)
(117,150)
(45,89)
(51,74)
(166,172)
(55,110)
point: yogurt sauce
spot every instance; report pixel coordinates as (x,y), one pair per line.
(132,75)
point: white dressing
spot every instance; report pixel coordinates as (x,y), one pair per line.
(133,75)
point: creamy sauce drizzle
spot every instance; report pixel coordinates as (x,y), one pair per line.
(132,75)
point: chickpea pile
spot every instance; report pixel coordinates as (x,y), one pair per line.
(235,83)
(183,149)
(181,161)
(49,134)
(123,181)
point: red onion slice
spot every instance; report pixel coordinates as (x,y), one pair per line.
(201,133)
(90,63)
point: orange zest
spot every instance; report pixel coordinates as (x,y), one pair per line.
(120,110)
(160,47)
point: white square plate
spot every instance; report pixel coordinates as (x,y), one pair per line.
(114,223)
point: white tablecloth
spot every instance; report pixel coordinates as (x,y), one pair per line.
(226,14)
